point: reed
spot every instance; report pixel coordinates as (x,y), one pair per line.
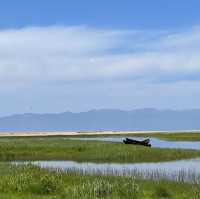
(28,181)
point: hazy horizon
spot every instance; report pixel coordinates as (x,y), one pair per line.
(102,109)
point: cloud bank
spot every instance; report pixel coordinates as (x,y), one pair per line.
(58,68)
(82,53)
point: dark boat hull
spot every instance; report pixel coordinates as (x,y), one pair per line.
(136,142)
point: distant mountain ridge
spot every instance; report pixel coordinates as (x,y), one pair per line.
(104,119)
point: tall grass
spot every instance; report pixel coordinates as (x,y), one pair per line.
(182,176)
(27,181)
(28,178)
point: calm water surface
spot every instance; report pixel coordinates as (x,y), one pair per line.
(181,170)
(154,141)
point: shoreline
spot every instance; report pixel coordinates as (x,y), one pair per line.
(74,133)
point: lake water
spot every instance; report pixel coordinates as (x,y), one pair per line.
(181,170)
(155,142)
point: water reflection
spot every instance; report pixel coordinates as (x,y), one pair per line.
(181,170)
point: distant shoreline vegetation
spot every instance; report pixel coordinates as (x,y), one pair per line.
(165,135)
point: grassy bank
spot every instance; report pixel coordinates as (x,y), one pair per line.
(56,148)
(28,182)
(174,136)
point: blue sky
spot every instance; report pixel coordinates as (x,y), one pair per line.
(80,55)
(104,13)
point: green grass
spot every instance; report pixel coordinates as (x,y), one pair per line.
(28,182)
(31,182)
(55,148)
(176,136)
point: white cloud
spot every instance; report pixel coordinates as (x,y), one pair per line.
(81,53)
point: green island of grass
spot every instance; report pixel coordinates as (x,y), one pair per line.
(58,148)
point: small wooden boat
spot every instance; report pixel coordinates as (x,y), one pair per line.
(145,142)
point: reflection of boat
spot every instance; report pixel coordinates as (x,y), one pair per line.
(145,142)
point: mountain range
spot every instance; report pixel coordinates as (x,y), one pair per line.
(104,119)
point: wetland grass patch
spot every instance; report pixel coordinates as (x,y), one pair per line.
(28,181)
(56,148)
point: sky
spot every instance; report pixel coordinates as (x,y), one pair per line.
(66,55)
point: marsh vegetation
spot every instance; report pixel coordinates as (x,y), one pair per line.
(56,148)
(28,181)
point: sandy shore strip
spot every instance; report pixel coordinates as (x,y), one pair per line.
(73,133)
